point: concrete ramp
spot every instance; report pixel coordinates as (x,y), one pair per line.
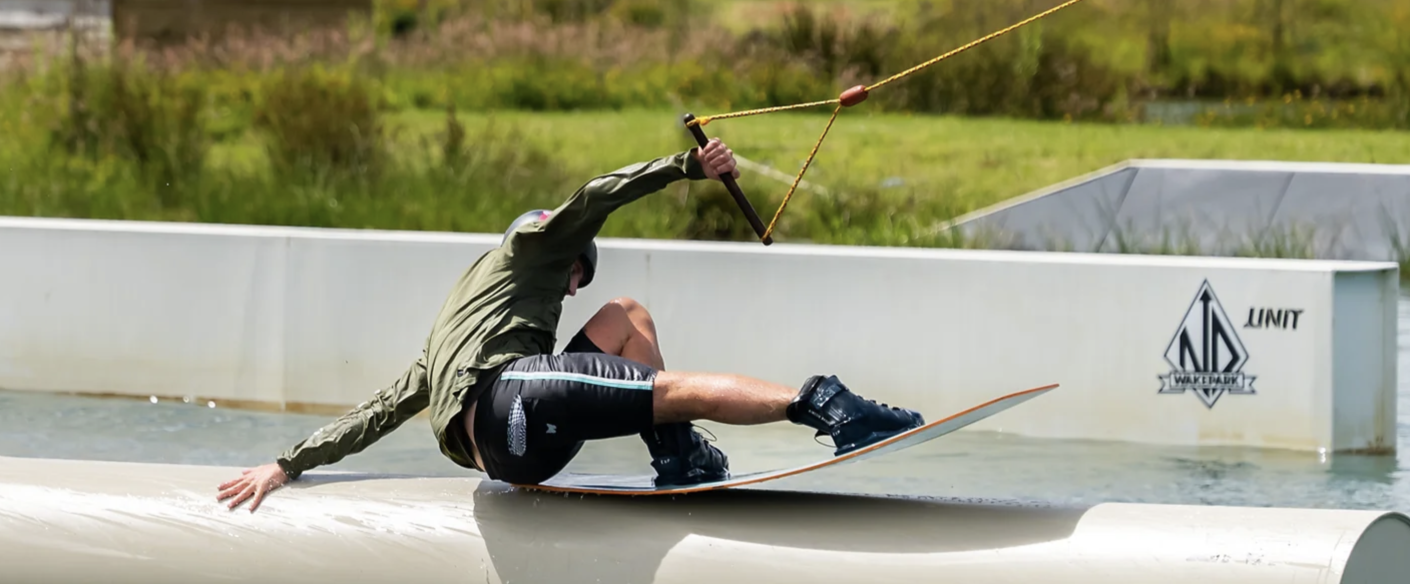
(83,521)
(1225,208)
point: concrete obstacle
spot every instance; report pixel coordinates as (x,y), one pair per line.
(74,521)
(1171,350)
(1212,207)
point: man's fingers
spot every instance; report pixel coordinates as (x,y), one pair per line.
(718,159)
(244,494)
(230,488)
(259,496)
(720,162)
(714,148)
(726,165)
(238,497)
(722,156)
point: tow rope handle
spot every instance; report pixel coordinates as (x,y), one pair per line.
(730,184)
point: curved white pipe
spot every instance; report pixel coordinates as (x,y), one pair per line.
(66,521)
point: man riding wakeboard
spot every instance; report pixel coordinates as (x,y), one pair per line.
(504,404)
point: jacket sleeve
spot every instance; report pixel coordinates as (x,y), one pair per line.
(578,220)
(364,425)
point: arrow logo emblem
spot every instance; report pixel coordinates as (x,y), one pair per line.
(1205,355)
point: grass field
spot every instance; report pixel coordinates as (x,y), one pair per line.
(968,162)
(880,168)
(891,178)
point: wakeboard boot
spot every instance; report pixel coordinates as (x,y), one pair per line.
(828,406)
(682,457)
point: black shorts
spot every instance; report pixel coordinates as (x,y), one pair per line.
(533,419)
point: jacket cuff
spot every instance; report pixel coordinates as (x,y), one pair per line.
(693,169)
(288,467)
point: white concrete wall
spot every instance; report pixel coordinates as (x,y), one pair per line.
(328,316)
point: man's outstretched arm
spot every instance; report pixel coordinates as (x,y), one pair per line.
(349,434)
(579,219)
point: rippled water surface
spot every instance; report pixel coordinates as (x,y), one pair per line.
(967,464)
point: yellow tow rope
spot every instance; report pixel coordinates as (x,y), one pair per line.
(855,96)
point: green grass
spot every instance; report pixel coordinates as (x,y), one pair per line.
(947,166)
(883,170)
(969,163)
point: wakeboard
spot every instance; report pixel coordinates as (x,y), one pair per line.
(599,484)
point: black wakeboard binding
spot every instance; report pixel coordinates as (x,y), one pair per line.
(828,406)
(682,457)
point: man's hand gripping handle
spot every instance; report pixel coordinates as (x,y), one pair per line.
(730,184)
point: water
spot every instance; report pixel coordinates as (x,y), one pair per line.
(966,464)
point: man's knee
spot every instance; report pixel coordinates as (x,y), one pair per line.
(625,313)
(616,323)
(629,307)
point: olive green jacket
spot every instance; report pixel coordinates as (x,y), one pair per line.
(505,306)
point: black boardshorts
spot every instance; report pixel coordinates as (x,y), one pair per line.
(539,410)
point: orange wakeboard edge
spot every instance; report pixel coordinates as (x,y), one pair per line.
(643,485)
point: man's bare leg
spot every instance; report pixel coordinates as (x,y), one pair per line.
(624,328)
(719,397)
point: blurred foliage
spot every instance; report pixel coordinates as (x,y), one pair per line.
(321,119)
(127,132)
(1100,59)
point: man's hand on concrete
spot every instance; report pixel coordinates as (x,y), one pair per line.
(254,482)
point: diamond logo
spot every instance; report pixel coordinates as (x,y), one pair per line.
(1206,356)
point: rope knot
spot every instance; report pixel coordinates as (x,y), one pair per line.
(853,96)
